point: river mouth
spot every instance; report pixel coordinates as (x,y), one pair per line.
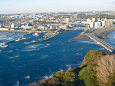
(23,64)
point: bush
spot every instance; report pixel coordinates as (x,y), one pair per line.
(111,80)
(91,56)
(69,77)
(88,76)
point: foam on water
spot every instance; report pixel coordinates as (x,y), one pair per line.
(32,47)
(10,51)
(44,57)
(11,57)
(88,42)
(78,54)
(21,65)
(17,83)
(17,56)
(48,44)
(72,65)
(27,77)
(9,36)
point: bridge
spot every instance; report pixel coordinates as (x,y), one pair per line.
(102,43)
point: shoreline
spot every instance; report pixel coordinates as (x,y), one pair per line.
(101,33)
(15,31)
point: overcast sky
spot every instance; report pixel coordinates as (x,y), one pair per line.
(33,6)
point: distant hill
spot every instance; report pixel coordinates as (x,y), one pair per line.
(84,16)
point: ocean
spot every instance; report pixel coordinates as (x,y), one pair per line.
(22,64)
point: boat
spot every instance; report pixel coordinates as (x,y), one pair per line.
(3,45)
(17,39)
(24,38)
(35,34)
(31,42)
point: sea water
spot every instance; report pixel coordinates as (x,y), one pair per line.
(22,64)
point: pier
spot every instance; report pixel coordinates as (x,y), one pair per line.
(44,39)
(21,37)
(102,43)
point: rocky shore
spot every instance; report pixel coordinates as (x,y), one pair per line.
(102,33)
(97,69)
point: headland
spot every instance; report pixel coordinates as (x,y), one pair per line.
(97,69)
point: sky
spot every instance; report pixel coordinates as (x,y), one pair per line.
(34,6)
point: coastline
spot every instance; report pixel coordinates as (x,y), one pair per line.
(15,31)
(101,33)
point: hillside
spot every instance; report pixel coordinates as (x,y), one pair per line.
(97,69)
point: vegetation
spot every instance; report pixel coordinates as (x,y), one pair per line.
(68,78)
(81,76)
(88,76)
(111,80)
(91,56)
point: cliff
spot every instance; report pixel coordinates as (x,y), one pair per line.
(97,69)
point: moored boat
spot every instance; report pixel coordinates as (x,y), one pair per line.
(3,45)
(17,39)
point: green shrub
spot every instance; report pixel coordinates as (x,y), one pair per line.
(88,76)
(59,75)
(111,80)
(91,56)
(69,77)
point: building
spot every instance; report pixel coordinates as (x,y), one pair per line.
(12,25)
(99,23)
(54,26)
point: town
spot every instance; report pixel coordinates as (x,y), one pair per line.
(55,21)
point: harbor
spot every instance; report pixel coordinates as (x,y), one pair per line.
(46,36)
(5,44)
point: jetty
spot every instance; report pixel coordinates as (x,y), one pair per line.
(44,39)
(18,39)
(102,43)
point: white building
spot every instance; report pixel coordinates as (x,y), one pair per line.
(54,27)
(12,25)
(66,20)
(91,24)
(97,23)
(41,27)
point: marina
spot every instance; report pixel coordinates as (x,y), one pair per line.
(15,40)
(22,37)
(45,37)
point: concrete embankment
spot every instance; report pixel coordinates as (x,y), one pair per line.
(101,33)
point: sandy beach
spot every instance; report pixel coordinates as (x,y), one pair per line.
(102,33)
